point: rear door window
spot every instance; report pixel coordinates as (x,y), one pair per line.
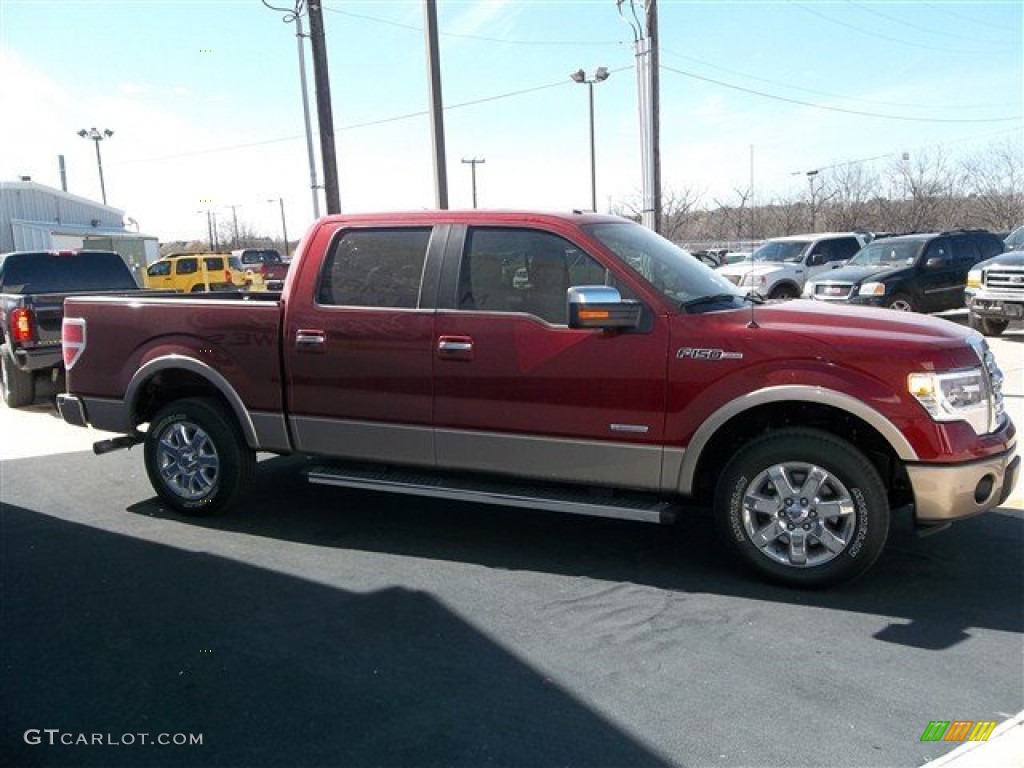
(375,268)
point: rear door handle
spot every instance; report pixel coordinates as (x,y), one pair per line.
(310,340)
(455,347)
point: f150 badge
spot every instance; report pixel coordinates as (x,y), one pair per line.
(693,353)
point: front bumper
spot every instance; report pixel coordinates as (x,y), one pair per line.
(943,493)
(996,309)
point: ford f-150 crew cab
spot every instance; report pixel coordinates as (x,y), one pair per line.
(621,378)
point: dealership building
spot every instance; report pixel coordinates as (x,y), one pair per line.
(36,217)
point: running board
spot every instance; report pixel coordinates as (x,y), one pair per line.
(579,501)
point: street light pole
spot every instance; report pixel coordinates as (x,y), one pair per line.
(284,226)
(474,162)
(814,205)
(579,76)
(96,136)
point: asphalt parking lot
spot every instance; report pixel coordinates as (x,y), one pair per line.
(327,627)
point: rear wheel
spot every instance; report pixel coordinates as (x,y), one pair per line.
(19,387)
(987,326)
(901,303)
(803,507)
(196,457)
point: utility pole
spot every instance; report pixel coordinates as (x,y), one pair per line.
(655,98)
(290,15)
(234,217)
(645,41)
(474,162)
(436,104)
(323,105)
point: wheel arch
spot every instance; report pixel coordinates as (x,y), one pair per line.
(786,282)
(776,407)
(173,377)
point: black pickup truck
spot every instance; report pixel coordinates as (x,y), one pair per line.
(33,286)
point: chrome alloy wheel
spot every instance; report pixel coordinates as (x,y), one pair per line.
(798,514)
(187,460)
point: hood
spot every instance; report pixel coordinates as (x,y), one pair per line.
(1008,259)
(752,268)
(870,335)
(853,274)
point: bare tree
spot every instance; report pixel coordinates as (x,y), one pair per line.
(853,187)
(995,185)
(929,185)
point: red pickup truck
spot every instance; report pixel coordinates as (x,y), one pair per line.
(574,362)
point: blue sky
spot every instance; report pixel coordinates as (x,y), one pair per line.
(204,99)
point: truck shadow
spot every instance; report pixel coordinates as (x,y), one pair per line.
(938,586)
(265,668)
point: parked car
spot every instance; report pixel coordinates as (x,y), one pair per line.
(622,379)
(33,286)
(267,263)
(193,272)
(780,267)
(995,293)
(916,273)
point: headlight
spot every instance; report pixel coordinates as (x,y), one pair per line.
(808,291)
(953,396)
(750,278)
(974,278)
(872,289)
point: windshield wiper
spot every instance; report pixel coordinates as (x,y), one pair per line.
(716,298)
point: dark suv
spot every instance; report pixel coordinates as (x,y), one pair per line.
(920,273)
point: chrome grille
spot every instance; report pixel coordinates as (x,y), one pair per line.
(994,381)
(833,291)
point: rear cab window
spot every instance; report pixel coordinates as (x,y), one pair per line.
(62,271)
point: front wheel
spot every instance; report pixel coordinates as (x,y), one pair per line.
(901,303)
(783,293)
(196,457)
(803,507)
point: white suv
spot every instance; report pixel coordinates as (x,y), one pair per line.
(782,265)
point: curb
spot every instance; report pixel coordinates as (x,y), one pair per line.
(1004,749)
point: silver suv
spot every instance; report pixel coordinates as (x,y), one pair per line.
(782,265)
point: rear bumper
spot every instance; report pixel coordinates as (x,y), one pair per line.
(106,415)
(40,358)
(943,493)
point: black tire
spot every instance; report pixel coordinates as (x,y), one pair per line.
(784,292)
(986,325)
(901,302)
(196,457)
(834,547)
(18,387)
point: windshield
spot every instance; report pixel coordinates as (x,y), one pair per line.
(671,270)
(781,250)
(886,254)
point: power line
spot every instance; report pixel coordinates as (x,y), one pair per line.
(905,23)
(874,33)
(822,93)
(905,118)
(464,36)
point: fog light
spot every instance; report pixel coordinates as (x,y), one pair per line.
(983,491)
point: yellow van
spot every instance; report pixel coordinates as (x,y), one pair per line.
(190,272)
